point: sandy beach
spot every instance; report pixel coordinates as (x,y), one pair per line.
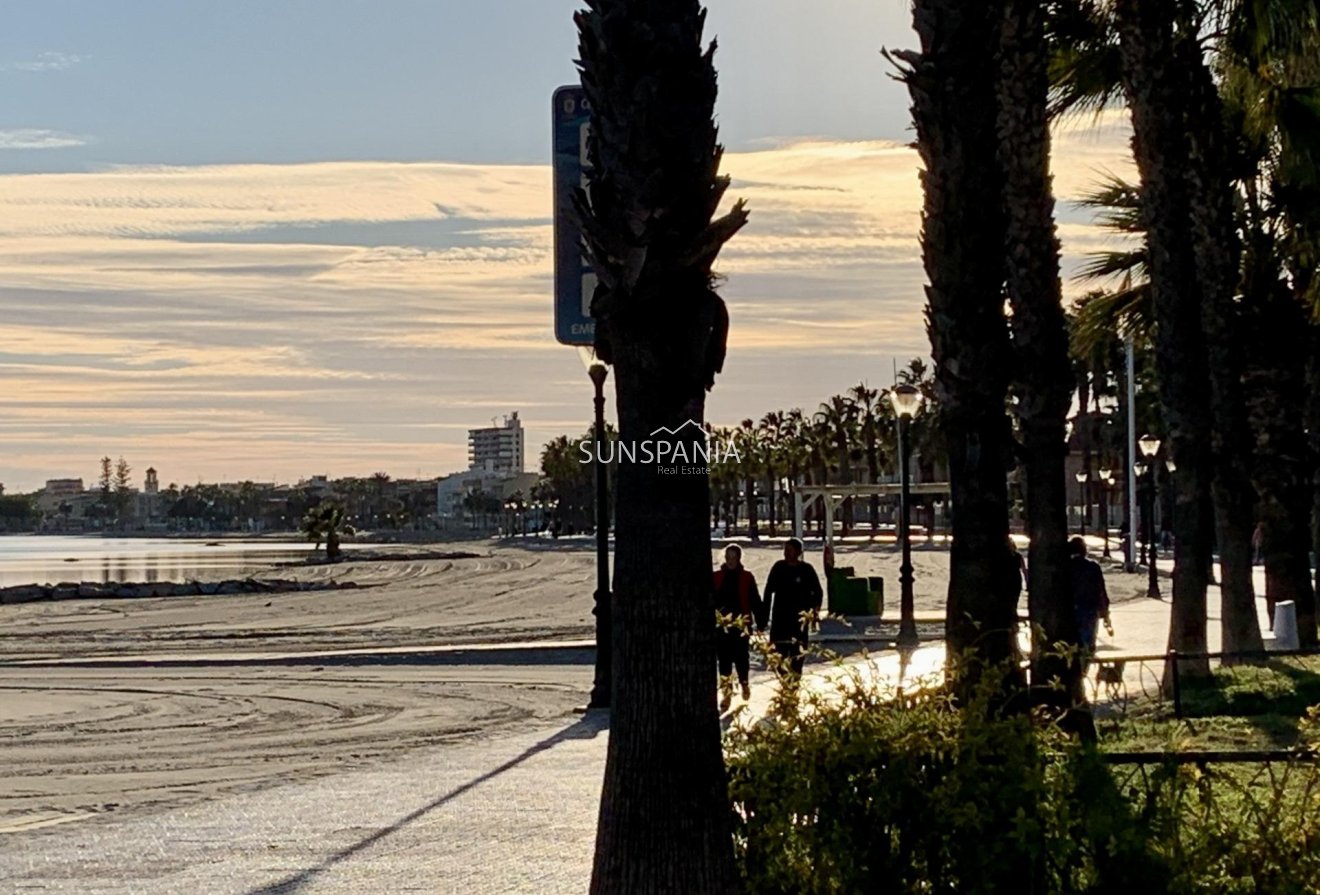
(80,742)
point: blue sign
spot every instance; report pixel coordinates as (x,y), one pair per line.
(574,279)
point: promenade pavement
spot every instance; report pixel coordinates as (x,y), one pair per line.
(489,815)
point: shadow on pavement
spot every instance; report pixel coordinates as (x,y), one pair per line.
(585,728)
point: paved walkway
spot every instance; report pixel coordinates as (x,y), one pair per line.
(507,815)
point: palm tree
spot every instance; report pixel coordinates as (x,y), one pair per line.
(1043,386)
(1155,84)
(751,447)
(1270,84)
(868,412)
(324,522)
(771,434)
(654,185)
(837,418)
(796,452)
(952,85)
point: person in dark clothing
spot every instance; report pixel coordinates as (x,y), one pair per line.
(791,590)
(1090,598)
(738,607)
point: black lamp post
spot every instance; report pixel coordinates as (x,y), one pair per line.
(907,401)
(600,687)
(1082,478)
(1150,446)
(1106,482)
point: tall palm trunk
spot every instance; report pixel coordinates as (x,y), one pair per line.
(1040,336)
(1214,235)
(654,186)
(1277,383)
(952,85)
(1313,452)
(1155,93)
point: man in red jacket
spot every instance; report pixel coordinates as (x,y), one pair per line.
(738,607)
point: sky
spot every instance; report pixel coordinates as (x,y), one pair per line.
(272,240)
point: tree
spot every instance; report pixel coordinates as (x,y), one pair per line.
(123,490)
(1043,385)
(837,419)
(324,522)
(1156,87)
(952,84)
(654,186)
(771,434)
(105,484)
(751,448)
(868,413)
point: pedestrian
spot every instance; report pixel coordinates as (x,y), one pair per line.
(738,604)
(1258,544)
(1090,598)
(793,594)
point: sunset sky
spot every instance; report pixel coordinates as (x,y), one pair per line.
(271,240)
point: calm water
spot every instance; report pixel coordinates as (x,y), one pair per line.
(49,559)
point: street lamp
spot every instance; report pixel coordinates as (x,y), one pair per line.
(1106,481)
(1082,477)
(1150,446)
(600,687)
(906,400)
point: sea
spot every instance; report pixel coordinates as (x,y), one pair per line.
(51,559)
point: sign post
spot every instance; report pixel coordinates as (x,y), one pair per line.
(574,279)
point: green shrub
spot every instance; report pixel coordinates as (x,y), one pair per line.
(868,791)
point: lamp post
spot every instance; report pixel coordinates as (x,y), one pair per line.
(1106,482)
(600,687)
(1150,446)
(1081,497)
(906,400)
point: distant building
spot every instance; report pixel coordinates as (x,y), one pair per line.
(497,449)
(152,484)
(62,487)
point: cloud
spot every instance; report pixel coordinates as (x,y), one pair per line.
(48,61)
(278,320)
(36,138)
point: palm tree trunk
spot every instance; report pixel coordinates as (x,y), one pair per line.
(1214,234)
(1276,381)
(1040,335)
(1154,89)
(1313,447)
(952,84)
(664,821)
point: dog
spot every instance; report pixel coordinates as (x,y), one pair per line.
(1109,675)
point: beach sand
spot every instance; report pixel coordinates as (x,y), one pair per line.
(82,742)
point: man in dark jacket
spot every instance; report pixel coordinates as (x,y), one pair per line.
(1090,597)
(791,590)
(738,607)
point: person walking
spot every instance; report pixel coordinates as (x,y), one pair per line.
(1090,597)
(793,594)
(738,606)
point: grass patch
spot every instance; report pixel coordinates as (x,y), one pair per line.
(1240,707)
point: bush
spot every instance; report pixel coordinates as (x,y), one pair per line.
(867,791)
